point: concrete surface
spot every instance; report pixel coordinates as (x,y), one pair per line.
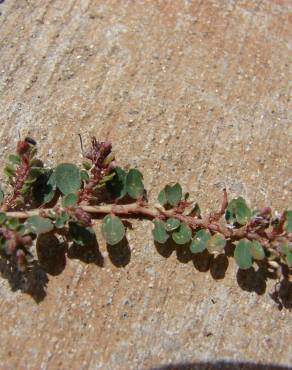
(191,90)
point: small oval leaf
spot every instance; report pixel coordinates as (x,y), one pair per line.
(173,194)
(183,235)
(70,200)
(12,223)
(87,165)
(243,255)
(134,184)
(61,220)
(107,178)
(238,211)
(200,240)
(84,175)
(15,159)
(9,171)
(288,223)
(113,229)
(287,250)
(35,173)
(39,225)
(172,224)
(256,250)
(289,259)
(162,197)
(159,233)
(68,178)
(243,213)
(216,243)
(3,218)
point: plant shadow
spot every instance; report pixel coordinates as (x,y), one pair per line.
(51,260)
(166,249)
(203,262)
(89,253)
(220,365)
(51,253)
(120,254)
(33,282)
(252,280)
(282,294)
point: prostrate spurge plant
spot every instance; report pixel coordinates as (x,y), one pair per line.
(62,200)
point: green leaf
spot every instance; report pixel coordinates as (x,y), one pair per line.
(70,200)
(183,235)
(109,159)
(242,254)
(287,250)
(162,197)
(35,172)
(3,244)
(21,229)
(200,240)
(256,250)
(45,187)
(81,235)
(84,175)
(3,218)
(243,213)
(172,224)
(216,243)
(230,215)
(173,194)
(159,232)
(113,229)
(87,165)
(107,178)
(117,186)
(39,225)
(9,171)
(35,163)
(25,189)
(61,220)
(12,223)
(238,211)
(134,184)
(68,178)
(15,159)
(288,224)
(289,258)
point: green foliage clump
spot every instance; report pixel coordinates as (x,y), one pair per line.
(65,199)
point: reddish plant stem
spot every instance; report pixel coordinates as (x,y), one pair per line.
(217,215)
(140,209)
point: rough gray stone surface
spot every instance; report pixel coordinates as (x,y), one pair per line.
(191,90)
